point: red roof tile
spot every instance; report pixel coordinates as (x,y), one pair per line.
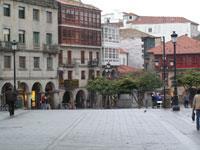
(159,20)
(122,69)
(122,51)
(184,45)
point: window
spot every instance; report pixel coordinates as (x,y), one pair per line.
(6,34)
(97,56)
(6,10)
(149,29)
(49,17)
(36,62)
(21,12)
(69,75)
(36,15)
(22,62)
(60,58)
(49,63)
(36,38)
(82,75)
(91,74)
(48,38)
(98,73)
(82,57)
(7,62)
(90,56)
(69,56)
(21,36)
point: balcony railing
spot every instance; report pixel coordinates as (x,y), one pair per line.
(70,64)
(53,49)
(5,45)
(93,63)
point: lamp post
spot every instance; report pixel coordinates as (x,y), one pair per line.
(12,105)
(175,106)
(108,70)
(164,70)
(14,48)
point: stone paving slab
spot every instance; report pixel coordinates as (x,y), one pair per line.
(109,129)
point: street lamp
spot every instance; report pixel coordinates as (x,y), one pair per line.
(175,106)
(14,48)
(164,69)
(108,70)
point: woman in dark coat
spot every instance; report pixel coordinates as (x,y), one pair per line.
(10,100)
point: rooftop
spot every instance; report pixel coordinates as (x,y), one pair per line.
(184,45)
(128,33)
(122,51)
(43,3)
(123,69)
(160,20)
(77,3)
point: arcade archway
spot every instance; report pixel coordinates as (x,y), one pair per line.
(36,95)
(49,92)
(67,100)
(80,99)
(5,87)
(23,95)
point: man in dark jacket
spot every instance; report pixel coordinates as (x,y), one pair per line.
(10,99)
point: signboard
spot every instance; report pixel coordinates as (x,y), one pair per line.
(71,84)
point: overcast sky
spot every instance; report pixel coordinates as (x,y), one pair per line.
(189,9)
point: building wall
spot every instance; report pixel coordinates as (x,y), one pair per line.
(194,30)
(110,45)
(29,75)
(77,67)
(159,30)
(79,30)
(135,51)
(113,17)
(123,59)
(183,62)
(28,24)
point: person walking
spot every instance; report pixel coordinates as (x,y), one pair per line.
(10,100)
(43,102)
(186,100)
(48,106)
(196,107)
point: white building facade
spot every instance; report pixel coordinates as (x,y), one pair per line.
(110,45)
(155,26)
(33,25)
(123,57)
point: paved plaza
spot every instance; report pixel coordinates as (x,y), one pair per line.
(108,129)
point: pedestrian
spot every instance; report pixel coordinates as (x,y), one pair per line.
(186,100)
(48,106)
(158,100)
(10,100)
(153,99)
(196,107)
(43,102)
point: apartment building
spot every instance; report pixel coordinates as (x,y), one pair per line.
(33,25)
(79,60)
(157,26)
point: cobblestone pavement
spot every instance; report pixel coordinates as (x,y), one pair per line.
(114,129)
